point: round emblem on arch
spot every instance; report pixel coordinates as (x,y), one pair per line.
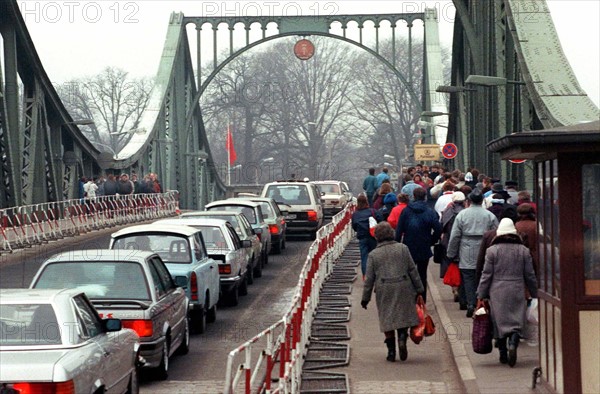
(304,49)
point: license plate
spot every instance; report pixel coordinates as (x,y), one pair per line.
(290,217)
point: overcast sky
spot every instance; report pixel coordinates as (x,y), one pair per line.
(79,38)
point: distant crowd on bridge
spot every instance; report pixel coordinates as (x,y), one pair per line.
(483,234)
(115,185)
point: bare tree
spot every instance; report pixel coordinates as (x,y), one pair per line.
(112,100)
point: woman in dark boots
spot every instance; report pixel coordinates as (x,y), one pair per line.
(507,272)
(391,271)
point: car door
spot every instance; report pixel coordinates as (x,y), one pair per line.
(171,309)
(240,253)
(206,269)
(115,361)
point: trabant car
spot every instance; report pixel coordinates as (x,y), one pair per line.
(275,218)
(335,196)
(253,212)
(305,212)
(183,252)
(130,285)
(223,245)
(53,341)
(244,231)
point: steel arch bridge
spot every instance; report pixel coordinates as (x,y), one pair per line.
(55,153)
(43,153)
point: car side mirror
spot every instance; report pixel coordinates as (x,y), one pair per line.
(257,231)
(246,243)
(322,193)
(111,325)
(284,213)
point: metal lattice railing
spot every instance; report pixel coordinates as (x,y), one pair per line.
(30,225)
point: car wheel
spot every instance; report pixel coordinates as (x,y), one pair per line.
(250,273)
(244,285)
(134,383)
(198,318)
(313,235)
(211,315)
(258,269)
(162,371)
(277,248)
(184,348)
(283,245)
(234,296)
(265,258)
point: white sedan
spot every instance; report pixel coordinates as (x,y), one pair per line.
(53,341)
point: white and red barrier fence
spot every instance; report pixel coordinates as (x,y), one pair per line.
(30,225)
(271,362)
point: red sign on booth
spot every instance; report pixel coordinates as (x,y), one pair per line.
(517,161)
(304,49)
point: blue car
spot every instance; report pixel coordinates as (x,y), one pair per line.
(183,251)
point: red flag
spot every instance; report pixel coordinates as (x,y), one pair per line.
(229,147)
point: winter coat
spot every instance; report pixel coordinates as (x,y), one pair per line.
(382,176)
(389,202)
(370,185)
(447,220)
(395,214)
(360,222)
(125,187)
(409,189)
(528,230)
(508,270)
(110,187)
(419,229)
(377,201)
(467,232)
(391,271)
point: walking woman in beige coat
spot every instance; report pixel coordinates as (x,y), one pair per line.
(392,273)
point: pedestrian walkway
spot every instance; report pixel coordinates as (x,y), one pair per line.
(443,363)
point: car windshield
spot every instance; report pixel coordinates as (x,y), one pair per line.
(267,210)
(171,248)
(289,194)
(28,325)
(233,219)
(246,211)
(329,188)
(99,280)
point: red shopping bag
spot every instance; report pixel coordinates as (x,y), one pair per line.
(425,327)
(452,277)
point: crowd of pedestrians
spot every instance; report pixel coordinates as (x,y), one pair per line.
(485,227)
(115,185)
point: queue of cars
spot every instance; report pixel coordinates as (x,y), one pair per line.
(154,285)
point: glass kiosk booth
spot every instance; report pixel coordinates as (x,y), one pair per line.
(567,182)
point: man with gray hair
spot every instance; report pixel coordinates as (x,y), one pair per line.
(465,239)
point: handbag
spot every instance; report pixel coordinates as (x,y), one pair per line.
(372,224)
(439,252)
(426,327)
(481,336)
(452,277)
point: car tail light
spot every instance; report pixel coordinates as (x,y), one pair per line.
(142,327)
(273,229)
(194,286)
(259,235)
(224,269)
(45,388)
(312,216)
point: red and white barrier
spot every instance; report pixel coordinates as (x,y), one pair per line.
(30,225)
(251,366)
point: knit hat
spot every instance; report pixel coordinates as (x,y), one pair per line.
(476,197)
(458,197)
(506,226)
(468,177)
(497,187)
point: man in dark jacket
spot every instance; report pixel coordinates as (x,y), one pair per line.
(370,185)
(360,224)
(419,229)
(110,186)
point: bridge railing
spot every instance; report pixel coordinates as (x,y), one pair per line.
(252,367)
(29,225)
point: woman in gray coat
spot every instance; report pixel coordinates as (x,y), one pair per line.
(393,273)
(507,271)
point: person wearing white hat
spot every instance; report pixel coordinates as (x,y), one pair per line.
(507,271)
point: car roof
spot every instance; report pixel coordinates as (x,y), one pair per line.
(211,213)
(102,255)
(35,296)
(195,222)
(257,199)
(154,228)
(320,182)
(234,201)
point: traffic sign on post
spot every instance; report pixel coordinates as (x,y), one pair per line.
(449,151)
